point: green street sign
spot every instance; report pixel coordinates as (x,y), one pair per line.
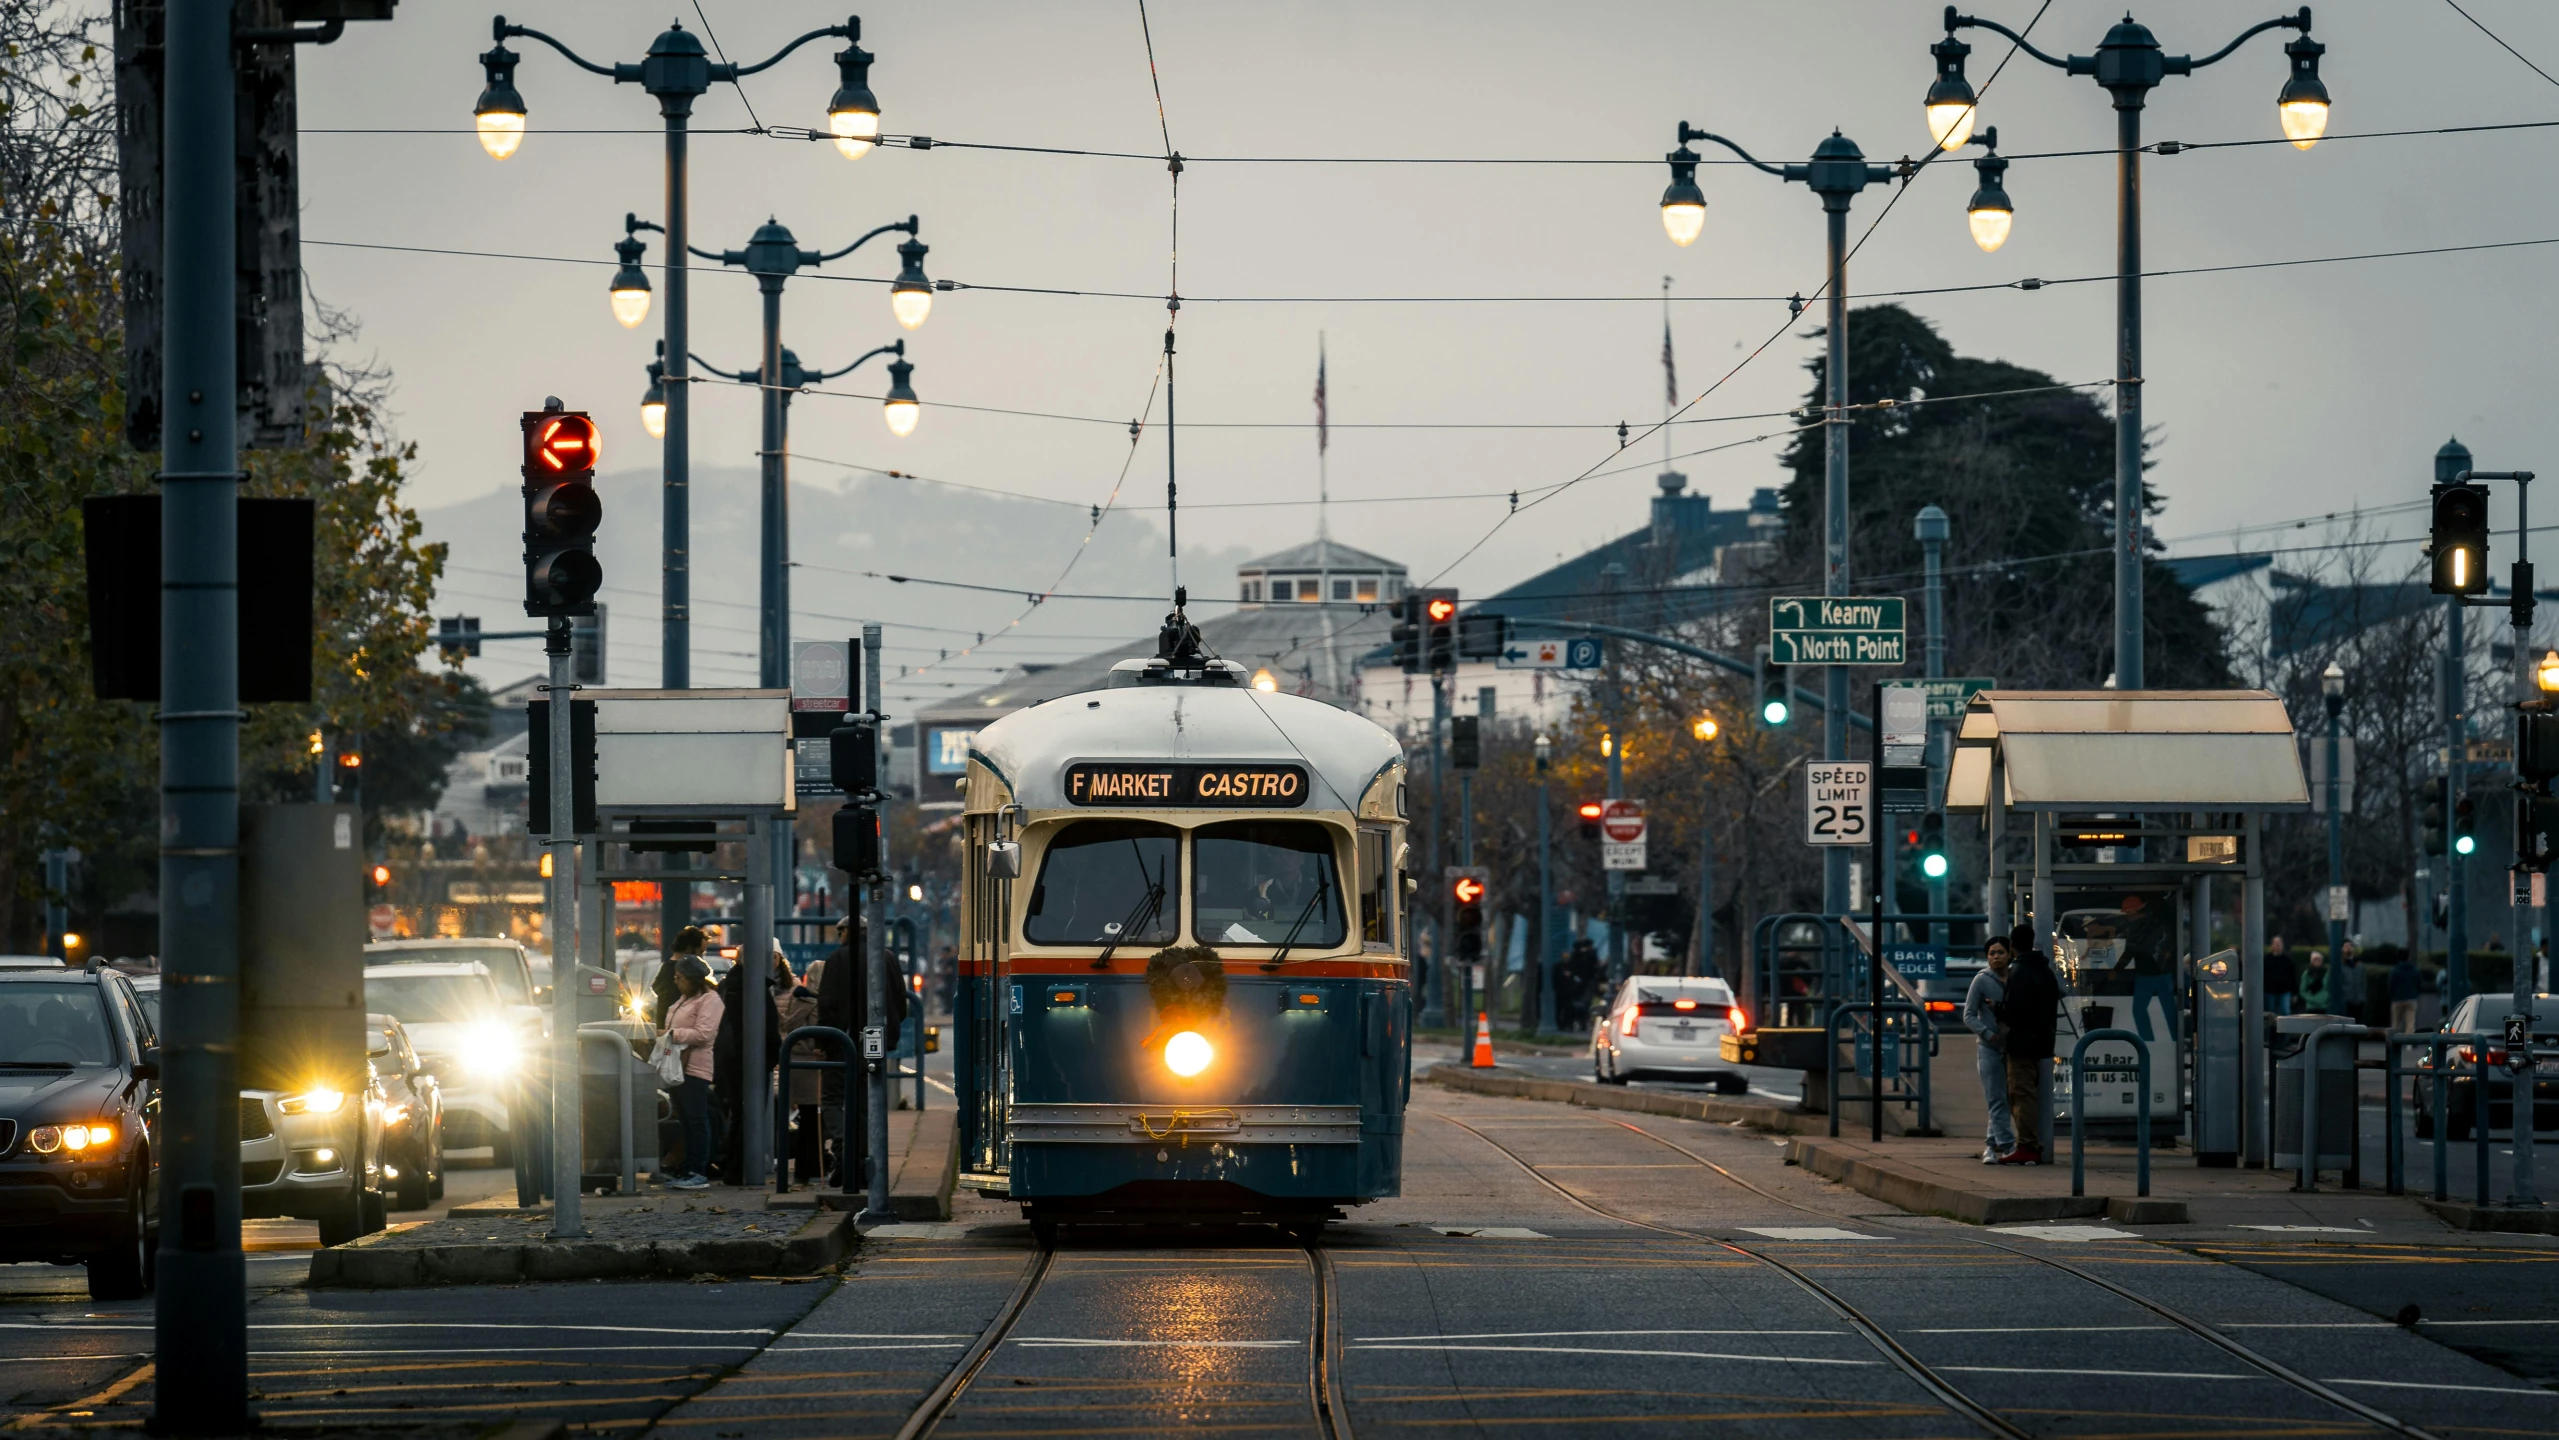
(1948,697)
(1836,630)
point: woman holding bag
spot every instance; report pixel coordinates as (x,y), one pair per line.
(693,1028)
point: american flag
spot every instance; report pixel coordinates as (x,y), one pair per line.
(1670,369)
(1322,436)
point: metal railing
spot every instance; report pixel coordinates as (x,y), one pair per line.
(2440,1104)
(844,1047)
(2079,1108)
(2310,1095)
(1919,1034)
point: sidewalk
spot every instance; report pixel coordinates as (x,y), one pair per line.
(1946,1177)
(679,1233)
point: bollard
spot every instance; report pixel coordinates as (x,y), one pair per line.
(2479,1124)
(2079,1109)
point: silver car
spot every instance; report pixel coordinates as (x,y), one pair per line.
(466,1035)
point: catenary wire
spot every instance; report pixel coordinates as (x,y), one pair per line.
(2501,41)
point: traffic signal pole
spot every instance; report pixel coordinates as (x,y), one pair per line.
(568,1164)
(201,1384)
(1434,1010)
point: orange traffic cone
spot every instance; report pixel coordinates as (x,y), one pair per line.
(1483,1041)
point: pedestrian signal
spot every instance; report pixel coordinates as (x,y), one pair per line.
(2457,541)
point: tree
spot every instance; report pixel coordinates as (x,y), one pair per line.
(2027,480)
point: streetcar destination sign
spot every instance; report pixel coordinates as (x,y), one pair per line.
(1836,629)
(1227,786)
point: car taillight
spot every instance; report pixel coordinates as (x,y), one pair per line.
(1739,1019)
(1627,1025)
(2470,1055)
(1941,1007)
(1683,1004)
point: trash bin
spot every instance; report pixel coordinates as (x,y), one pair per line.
(2336,1067)
(614,1071)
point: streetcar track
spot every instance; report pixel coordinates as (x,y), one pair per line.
(2263,1363)
(1324,1392)
(1892,1350)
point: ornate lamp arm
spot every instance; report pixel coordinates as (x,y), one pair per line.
(725,257)
(503,32)
(743,377)
(851,29)
(2076,65)
(1688,132)
(632,224)
(894,347)
(2178,64)
(905,226)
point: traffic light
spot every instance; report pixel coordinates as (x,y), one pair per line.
(2537,748)
(2433,817)
(1482,636)
(1465,742)
(1406,636)
(380,875)
(458,636)
(857,841)
(1931,841)
(853,757)
(2465,826)
(1776,698)
(2457,540)
(561,512)
(1469,891)
(1588,813)
(1439,630)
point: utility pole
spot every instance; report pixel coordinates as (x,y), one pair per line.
(1434,1009)
(1611,576)
(1931,528)
(201,1384)
(875,978)
(2451,461)
(560,846)
(1544,981)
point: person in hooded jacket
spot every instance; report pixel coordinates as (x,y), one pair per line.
(728,1075)
(844,1003)
(2029,1013)
(662,990)
(799,1009)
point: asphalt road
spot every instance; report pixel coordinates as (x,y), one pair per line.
(1549,1271)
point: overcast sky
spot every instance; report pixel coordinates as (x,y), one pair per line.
(2275,393)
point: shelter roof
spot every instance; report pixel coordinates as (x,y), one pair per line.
(2118,750)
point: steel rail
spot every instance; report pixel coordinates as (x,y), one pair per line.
(2273,1368)
(1892,1350)
(1324,1350)
(937,1405)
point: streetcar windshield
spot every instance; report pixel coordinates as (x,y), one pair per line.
(1107,882)
(1265,882)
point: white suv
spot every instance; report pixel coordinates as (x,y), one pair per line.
(466,1035)
(1668,1027)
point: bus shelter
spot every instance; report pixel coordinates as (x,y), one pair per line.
(2108,818)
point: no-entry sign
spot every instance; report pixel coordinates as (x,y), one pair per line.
(1622,820)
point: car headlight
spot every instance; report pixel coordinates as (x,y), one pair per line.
(489,1050)
(76,1138)
(396,1113)
(318,1100)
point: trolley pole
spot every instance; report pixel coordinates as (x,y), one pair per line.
(201,1324)
(875,971)
(568,1164)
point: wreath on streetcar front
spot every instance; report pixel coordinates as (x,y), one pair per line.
(1187,984)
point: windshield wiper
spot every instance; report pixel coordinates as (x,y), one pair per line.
(1143,913)
(1323,887)
(35,1064)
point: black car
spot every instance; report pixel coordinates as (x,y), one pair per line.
(2485,1014)
(412,1118)
(79,1183)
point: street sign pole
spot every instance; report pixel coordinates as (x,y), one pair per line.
(1875,952)
(568,1163)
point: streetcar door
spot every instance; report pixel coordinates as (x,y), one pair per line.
(984,1054)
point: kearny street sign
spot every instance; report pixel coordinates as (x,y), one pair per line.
(1835,630)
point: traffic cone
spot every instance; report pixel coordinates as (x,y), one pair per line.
(1483,1041)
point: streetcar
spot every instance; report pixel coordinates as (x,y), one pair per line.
(1184,993)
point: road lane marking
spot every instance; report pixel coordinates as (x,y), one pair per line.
(1808,1232)
(425,1325)
(2301,1229)
(2064,1234)
(2466,1389)
(1072,1342)
(2037,1329)
(1491,1232)
(1564,1334)
(2115,1374)
(1596,1350)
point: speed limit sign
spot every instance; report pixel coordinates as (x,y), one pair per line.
(1839,801)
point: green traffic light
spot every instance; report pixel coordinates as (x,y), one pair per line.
(1933,865)
(2464,844)
(1774,712)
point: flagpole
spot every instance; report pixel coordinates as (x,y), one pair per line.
(1670,377)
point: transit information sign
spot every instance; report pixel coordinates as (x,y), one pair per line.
(1836,629)
(1220,786)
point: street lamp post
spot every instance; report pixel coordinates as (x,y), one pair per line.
(677,72)
(2128,64)
(1545,979)
(2332,693)
(1837,171)
(1930,526)
(2452,460)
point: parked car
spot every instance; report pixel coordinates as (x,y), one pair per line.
(79,1179)
(2486,1014)
(466,1035)
(1669,1027)
(412,1121)
(312,1154)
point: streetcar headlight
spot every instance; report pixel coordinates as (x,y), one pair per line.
(1188,1053)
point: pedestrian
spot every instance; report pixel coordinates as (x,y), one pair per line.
(662,991)
(2277,980)
(729,1082)
(2347,989)
(2405,986)
(2030,1012)
(1981,1016)
(693,1023)
(798,1006)
(2317,986)
(1581,974)
(844,1003)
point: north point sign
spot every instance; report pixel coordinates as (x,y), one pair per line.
(1837,630)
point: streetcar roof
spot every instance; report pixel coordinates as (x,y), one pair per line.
(1031,749)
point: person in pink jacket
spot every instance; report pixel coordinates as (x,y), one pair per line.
(693,1023)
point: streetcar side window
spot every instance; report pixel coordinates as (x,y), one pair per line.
(1105,882)
(1266,882)
(1376,890)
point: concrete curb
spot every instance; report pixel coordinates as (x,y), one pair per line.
(368,1265)
(2496,1219)
(1923,1194)
(1602,1097)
